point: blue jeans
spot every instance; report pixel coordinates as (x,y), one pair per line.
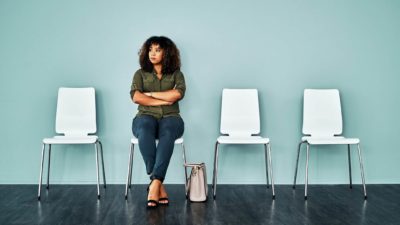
(147,129)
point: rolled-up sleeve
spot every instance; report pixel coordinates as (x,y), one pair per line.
(180,83)
(137,83)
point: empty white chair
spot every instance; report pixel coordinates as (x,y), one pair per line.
(322,123)
(76,119)
(135,141)
(240,121)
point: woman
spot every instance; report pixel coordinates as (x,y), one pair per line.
(157,87)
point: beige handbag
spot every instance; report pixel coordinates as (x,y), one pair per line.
(196,185)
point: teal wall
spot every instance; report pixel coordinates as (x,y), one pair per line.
(278,47)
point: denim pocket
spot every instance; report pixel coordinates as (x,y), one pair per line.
(181,129)
(134,125)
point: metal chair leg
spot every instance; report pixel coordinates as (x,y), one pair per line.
(271,174)
(128,178)
(184,167)
(48,168)
(215,170)
(306,181)
(297,164)
(348,153)
(102,163)
(130,171)
(362,171)
(41,170)
(97,170)
(266,164)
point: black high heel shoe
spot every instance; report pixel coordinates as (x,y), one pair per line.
(160,200)
(163,203)
(155,202)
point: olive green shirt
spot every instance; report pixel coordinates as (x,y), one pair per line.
(148,82)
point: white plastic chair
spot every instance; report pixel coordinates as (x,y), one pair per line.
(240,121)
(135,141)
(322,121)
(76,119)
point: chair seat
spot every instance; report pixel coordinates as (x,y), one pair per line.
(71,140)
(242,140)
(135,141)
(330,140)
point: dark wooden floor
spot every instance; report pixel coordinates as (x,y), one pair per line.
(235,204)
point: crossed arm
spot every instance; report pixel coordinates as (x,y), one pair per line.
(156,98)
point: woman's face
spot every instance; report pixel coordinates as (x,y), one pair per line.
(156,54)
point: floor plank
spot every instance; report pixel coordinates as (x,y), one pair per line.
(235,204)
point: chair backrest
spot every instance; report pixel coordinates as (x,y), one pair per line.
(76,111)
(240,114)
(322,113)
